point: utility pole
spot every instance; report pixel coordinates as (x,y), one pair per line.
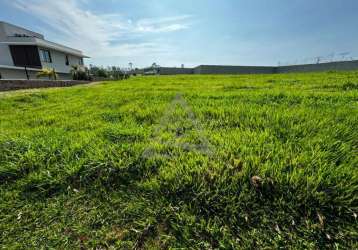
(318,59)
(130,65)
(27,73)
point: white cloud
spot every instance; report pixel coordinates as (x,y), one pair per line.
(100,35)
(167,24)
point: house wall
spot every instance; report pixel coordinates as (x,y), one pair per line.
(59,61)
(339,66)
(15,74)
(58,58)
(5,56)
(2,31)
(217,69)
(175,71)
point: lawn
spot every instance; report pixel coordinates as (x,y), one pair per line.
(182,162)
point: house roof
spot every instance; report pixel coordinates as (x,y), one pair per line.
(43,44)
(11,29)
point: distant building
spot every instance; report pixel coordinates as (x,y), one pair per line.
(167,71)
(23,53)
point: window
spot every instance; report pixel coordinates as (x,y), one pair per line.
(67,61)
(80,62)
(45,56)
(25,56)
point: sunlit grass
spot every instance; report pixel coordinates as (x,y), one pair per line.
(238,162)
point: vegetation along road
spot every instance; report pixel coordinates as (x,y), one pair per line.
(189,162)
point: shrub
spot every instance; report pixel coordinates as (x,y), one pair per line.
(113,72)
(80,73)
(117,74)
(47,72)
(102,73)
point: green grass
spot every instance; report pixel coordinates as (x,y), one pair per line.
(168,163)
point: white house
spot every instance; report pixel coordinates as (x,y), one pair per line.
(23,53)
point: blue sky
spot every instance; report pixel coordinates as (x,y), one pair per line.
(172,32)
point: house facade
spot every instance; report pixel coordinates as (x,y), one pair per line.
(23,53)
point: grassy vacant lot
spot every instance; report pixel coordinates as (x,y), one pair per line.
(190,162)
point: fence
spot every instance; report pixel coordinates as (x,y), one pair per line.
(221,69)
(7,85)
